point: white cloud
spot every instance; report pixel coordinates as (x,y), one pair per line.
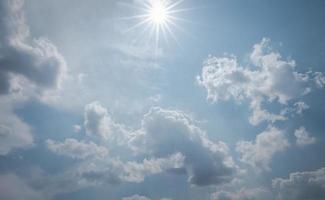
(77,149)
(98,122)
(270,79)
(301,186)
(136,197)
(14,188)
(165,132)
(319,79)
(259,153)
(303,137)
(77,128)
(243,194)
(114,171)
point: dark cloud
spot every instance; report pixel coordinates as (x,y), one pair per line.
(35,60)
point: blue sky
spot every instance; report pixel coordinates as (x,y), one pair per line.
(228,105)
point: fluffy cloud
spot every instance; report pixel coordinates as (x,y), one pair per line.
(259,153)
(38,61)
(270,79)
(166,132)
(303,137)
(77,149)
(13,188)
(243,194)
(98,122)
(301,186)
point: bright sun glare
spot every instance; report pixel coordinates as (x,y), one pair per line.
(158,13)
(157,17)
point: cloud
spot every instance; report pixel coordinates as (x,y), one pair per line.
(301,186)
(136,197)
(28,67)
(269,79)
(169,138)
(243,194)
(259,153)
(38,61)
(14,188)
(319,79)
(114,171)
(14,133)
(98,122)
(165,132)
(303,137)
(77,149)
(77,128)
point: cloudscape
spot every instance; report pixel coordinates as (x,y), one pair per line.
(162,100)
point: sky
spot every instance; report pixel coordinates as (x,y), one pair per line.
(162,100)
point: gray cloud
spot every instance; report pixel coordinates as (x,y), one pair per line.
(301,186)
(259,153)
(35,60)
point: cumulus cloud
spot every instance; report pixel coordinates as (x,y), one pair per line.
(270,79)
(98,122)
(169,138)
(38,61)
(301,186)
(303,137)
(77,149)
(165,132)
(14,188)
(243,194)
(259,153)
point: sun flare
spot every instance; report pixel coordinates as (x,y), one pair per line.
(157,19)
(158,13)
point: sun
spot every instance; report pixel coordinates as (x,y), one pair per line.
(158,13)
(157,19)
